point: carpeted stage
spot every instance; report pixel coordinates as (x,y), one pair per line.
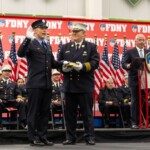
(103,135)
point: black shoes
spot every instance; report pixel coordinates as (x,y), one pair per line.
(90,142)
(36,143)
(22,126)
(1,127)
(69,142)
(46,142)
(134,126)
(42,142)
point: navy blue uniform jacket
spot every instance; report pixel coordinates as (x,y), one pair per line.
(82,81)
(40,62)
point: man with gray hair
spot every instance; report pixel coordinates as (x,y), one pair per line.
(129,64)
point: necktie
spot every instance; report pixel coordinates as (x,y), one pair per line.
(43,44)
(57,85)
(5,82)
(77,47)
(141,53)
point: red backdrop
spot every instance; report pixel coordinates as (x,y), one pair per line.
(19,25)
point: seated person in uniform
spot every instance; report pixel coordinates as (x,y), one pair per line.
(108,100)
(8,96)
(125,95)
(56,90)
(22,89)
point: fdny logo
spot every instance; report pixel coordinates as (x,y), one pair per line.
(102,27)
(10,38)
(70,25)
(112,42)
(134,28)
(2,23)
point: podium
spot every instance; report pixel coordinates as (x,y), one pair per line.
(141,64)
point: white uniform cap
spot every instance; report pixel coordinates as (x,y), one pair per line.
(6,67)
(79,26)
(55,72)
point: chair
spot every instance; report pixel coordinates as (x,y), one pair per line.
(10,118)
(110,115)
(58,115)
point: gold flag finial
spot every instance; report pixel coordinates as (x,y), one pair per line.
(95,36)
(105,37)
(125,38)
(115,37)
(59,35)
(13,33)
(70,36)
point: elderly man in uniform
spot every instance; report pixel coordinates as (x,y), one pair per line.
(9,95)
(80,60)
(40,62)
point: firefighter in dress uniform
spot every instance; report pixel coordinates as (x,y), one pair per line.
(9,96)
(40,62)
(80,60)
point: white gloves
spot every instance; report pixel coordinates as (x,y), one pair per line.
(29,33)
(65,68)
(78,67)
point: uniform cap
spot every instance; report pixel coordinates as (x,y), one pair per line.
(0,72)
(55,72)
(6,67)
(39,23)
(79,26)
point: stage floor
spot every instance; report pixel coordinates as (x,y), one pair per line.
(82,146)
(103,135)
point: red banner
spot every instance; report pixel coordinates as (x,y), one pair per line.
(19,25)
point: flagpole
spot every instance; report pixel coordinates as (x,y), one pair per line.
(94,95)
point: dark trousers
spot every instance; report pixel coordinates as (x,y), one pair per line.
(106,110)
(13,103)
(134,105)
(85,102)
(38,113)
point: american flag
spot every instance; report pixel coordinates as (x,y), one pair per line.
(123,56)
(12,60)
(23,69)
(1,54)
(116,69)
(104,63)
(97,80)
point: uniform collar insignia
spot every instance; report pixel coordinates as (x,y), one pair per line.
(83,46)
